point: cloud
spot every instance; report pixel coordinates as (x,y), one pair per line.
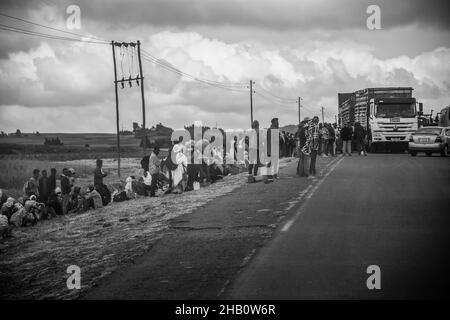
(268,14)
(69,88)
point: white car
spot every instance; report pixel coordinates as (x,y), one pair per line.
(430,140)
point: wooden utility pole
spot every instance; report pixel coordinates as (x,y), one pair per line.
(299,106)
(251,103)
(117,108)
(323,121)
(142,96)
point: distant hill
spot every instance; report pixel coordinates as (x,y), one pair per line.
(291,128)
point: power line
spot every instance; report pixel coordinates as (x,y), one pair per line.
(167,66)
(235,87)
(51,28)
(283,100)
(44,35)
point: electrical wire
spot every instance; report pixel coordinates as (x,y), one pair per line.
(284,100)
(44,35)
(52,28)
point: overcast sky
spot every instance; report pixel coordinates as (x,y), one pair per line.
(313,49)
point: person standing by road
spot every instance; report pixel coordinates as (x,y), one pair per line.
(360,139)
(154,166)
(44,187)
(98,173)
(338,140)
(346,136)
(325,136)
(302,167)
(254,163)
(312,144)
(331,140)
(52,181)
(272,166)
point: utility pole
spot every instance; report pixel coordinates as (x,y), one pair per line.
(299,106)
(142,95)
(323,121)
(251,103)
(117,108)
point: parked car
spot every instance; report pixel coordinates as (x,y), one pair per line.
(430,140)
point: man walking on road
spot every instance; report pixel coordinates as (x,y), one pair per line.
(312,143)
(346,136)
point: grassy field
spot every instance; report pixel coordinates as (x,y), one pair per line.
(95,140)
(20,155)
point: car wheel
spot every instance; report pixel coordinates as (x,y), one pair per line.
(428,154)
(413,153)
(444,151)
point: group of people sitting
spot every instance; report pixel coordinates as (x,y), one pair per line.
(175,174)
(43,199)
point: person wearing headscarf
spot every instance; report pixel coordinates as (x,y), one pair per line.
(179,179)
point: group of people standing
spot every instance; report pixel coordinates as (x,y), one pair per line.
(314,138)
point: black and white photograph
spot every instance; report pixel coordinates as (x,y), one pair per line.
(224,156)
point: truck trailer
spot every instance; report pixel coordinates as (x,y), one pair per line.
(389,115)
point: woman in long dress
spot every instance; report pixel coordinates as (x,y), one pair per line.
(179,175)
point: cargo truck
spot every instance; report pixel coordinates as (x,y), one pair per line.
(388,114)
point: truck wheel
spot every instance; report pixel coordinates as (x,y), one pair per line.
(413,153)
(428,154)
(444,151)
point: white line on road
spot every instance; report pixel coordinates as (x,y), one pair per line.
(310,194)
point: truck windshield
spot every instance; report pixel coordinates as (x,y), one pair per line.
(403,110)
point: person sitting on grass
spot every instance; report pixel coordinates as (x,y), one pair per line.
(32,185)
(33,211)
(77,201)
(7,208)
(5,229)
(54,203)
(147,182)
(93,198)
(19,214)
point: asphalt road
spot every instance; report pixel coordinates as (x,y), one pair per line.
(389,210)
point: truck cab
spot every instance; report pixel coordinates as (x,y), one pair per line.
(391,122)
